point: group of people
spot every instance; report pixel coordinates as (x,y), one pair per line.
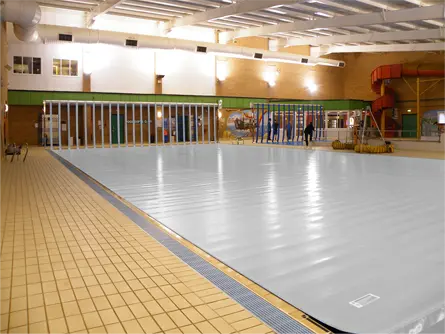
(308,131)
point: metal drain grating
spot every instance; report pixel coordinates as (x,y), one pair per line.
(279,321)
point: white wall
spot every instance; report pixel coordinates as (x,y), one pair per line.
(46,80)
(118,69)
(114,69)
(186,73)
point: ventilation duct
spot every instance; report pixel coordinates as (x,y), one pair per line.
(25,16)
(48,34)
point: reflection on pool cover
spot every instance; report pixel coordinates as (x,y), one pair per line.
(318,229)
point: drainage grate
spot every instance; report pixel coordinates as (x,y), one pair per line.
(279,321)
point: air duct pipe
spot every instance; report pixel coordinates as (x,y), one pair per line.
(25,16)
(49,34)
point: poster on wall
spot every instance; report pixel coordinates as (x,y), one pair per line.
(241,123)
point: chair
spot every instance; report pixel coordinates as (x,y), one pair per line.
(16,150)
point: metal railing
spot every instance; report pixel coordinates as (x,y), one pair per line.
(93,124)
(347,135)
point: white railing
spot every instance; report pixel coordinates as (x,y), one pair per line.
(343,134)
(92,124)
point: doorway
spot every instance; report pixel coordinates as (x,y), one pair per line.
(114,126)
(409,126)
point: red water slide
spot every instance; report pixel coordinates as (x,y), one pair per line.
(396,71)
(388,100)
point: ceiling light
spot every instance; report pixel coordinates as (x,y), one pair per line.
(276,11)
(409,110)
(323,14)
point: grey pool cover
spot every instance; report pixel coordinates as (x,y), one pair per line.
(355,241)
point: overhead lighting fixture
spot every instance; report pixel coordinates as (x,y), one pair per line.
(323,14)
(275,11)
(409,110)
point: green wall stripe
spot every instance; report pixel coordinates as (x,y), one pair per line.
(33,98)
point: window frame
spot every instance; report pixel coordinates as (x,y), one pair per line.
(32,65)
(69,66)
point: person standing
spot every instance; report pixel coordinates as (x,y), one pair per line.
(269,129)
(289,132)
(275,130)
(308,133)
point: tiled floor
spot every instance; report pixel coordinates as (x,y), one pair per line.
(72,263)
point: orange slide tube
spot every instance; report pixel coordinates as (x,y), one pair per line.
(387,99)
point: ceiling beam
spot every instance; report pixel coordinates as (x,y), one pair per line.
(242,6)
(402,15)
(372,37)
(101,9)
(320,51)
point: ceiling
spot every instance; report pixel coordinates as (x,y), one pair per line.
(297,22)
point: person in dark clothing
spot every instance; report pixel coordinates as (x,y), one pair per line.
(275,130)
(269,129)
(289,132)
(308,133)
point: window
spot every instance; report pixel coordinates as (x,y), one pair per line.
(27,65)
(65,67)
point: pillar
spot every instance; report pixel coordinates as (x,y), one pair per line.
(86,83)
(4,89)
(86,88)
(419,132)
(158,84)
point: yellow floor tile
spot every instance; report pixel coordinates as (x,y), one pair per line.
(164,321)
(71,262)
(149,325)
